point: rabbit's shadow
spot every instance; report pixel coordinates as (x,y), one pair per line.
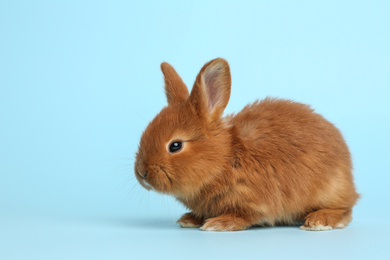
(169,223)
(143,223)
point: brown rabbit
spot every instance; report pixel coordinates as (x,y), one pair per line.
(274,163)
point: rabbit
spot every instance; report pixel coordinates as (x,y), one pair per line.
(276,162)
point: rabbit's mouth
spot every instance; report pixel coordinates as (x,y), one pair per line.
(154,177)
(143,181)
(146,185)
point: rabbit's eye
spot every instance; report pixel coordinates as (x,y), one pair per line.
(175,146)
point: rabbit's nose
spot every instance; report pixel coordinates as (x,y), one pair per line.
(143,175)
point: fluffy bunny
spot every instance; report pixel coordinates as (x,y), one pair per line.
(274,163)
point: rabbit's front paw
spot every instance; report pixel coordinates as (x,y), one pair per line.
(225,223)
(189,220)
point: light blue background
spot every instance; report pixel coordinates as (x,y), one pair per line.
(80,80)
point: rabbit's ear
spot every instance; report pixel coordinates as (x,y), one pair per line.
(175,89)
(211,92)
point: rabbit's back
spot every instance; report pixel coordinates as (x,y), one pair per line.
(283,127)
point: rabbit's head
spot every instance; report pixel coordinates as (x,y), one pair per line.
(187,144)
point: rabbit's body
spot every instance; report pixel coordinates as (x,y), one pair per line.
(275,162)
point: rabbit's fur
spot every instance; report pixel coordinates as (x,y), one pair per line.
(276,162)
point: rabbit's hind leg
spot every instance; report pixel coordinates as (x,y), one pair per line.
(327,219)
